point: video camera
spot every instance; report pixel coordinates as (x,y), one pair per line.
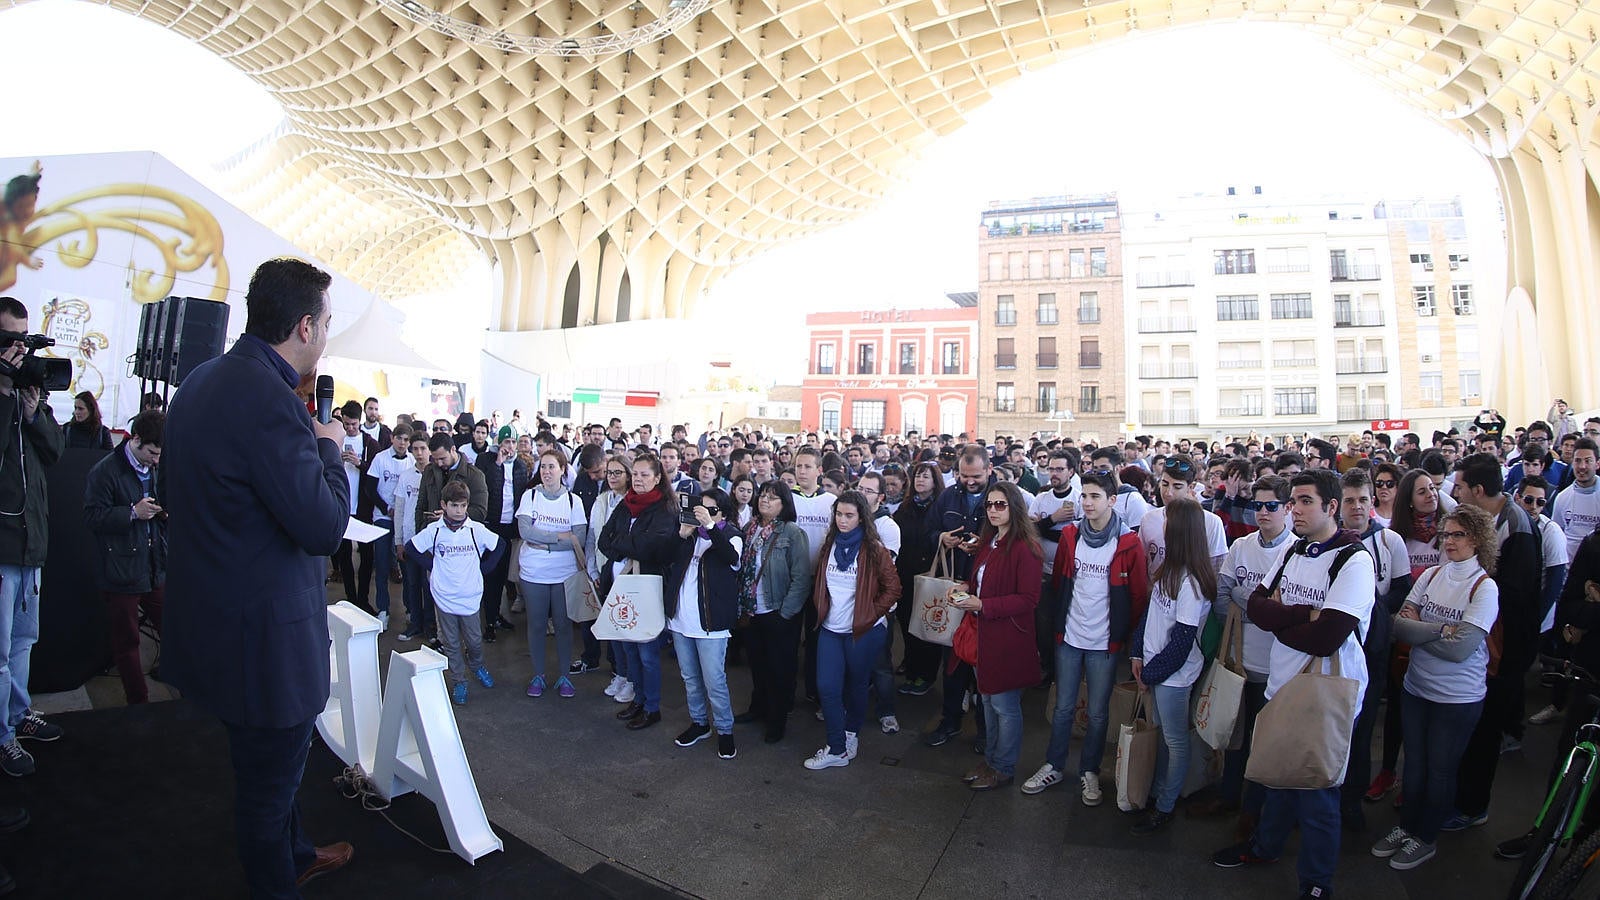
(45,373)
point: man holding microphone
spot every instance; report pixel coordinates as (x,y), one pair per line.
(251,523)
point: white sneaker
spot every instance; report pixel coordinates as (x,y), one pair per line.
(617,681)
(889,724)
(852,744)
(383,622)
(624,694)
(822,759)
(820,717)
(1091,789)
(1545,716)
(1047,777)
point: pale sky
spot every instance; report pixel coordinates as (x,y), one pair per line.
(1175,111)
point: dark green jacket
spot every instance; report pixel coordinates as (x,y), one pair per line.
(36,445)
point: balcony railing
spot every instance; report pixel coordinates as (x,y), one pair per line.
(1291,309)
(1169,417)
(1089,360)
(1090,404)
(1005,405)
(824,370)
(1005,317)
(1353,318)
(1046,360)
(1239,364)
(1165,324)
(1239,412)
(1165,279)
(1005,360)
(1363,412)
(1361,365)
(1288,268)
(1046,405)
(908,368)
(1356,273)
(1047,316)
(1168,370)
(1294,362)
(1088,316)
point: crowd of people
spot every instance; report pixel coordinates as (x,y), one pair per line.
(1432,575)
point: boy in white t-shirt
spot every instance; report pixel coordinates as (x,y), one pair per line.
(1319,604)
(456,551)
(1177,480)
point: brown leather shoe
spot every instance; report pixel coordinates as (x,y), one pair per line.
(631,710)
(981,770)
(329,858)
(643,720)
(990,780)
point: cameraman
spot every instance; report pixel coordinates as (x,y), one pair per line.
(122,497)
(30,440)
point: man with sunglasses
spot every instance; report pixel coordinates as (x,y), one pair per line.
(1536,445)
(1577,509)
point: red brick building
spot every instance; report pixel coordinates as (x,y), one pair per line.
(891,371)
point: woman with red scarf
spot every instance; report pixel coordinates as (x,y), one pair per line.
(642,529)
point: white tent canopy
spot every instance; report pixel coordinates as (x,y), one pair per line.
(375,338)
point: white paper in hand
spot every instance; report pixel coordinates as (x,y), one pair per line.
(362,533)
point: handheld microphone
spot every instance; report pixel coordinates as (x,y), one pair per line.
(324,399)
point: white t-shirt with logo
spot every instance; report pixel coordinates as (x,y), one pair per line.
(888,534)
(457,578)
(1089,617)
(1250,563)
(1305,583)
(1131,508)
(813,515)
(557,516)
(686,621)
(1389,557)
(841,596)
(388,469)
(1576,511)
(1188,608)
(1044,505)
(1422,555)
(1153,535)
(1445,595)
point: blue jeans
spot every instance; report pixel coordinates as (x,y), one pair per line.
(382,562)
(1318,815)
(414,581)
(844,669)
(19,630)
(702,662)
(1171,713)
(1436,736)
(267,767)
(1072,667)
(644,670)
(1002,714)
(883,678)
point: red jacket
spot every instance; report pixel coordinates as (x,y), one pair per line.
(1130,585)
(1008,659)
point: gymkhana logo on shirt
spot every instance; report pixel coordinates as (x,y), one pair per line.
(447,550)
(1094,570)
(1583,520)
(1449,614)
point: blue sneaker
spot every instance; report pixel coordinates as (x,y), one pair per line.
(1462,821)
(459,694)
(536,686)
(484,677)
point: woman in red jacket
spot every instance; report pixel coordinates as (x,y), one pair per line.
(856,587)
(1001,596)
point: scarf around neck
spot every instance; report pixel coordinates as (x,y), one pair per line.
(846,546)
(637,503)
(1097,539)
(1425,527)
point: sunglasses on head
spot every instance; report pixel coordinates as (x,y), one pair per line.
(1181,466)
(1266,505)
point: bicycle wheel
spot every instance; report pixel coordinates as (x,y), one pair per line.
(1579,863)
(1542,848)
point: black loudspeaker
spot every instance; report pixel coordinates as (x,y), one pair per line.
(149,333)
(195,331)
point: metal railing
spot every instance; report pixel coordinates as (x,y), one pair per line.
(1360,412)
(1168,370)
(1360,365)
(1005,360)
(1238,412)
(1046,360)
(1356,273)
(1169,417)
(1047,316)
(1164,279)
(1088,316)
(1005,317)
(1294,362)
(1239,364)
(1357,318)
(1165,324)
(1089,360)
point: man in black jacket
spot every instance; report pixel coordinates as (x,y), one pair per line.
(122,498)
(506,479)
(1518,574)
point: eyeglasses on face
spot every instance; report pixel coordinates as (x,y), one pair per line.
(1266,505)
(1383,482)
(1453,535)
(996,504)
(616,473)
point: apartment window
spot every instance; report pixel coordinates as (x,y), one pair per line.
(1005,309)
(1461,299)
(825,363)
(1088,398)
(1005,397)
(1294,354)
(1239,402)
(1047,397)
(1422,296)
(1047,353)
(1089,307)
(1036,264)
(1097,262)
(1018,265)
(1058,266)
(866,359)
(1457,260)
(1471,385)
(950,358)
(1432,385)
(866,417)
(1299,401)
(563,408)
(830,416)
(1291,306)
(1467,347)
(1237,308)
(1005,353)
(908,359)
(1075,264)
(1338,265)
(1281,260)
(1239,355)
(1429,344)
(1425,260)
(997,266)
(1089,353)
(1047,309)
(1233,262)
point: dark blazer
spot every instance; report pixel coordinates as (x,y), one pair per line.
(367,489)
(131,556)
(252,518)
(494,480)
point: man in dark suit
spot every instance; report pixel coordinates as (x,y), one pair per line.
(251,523)
(506,479)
